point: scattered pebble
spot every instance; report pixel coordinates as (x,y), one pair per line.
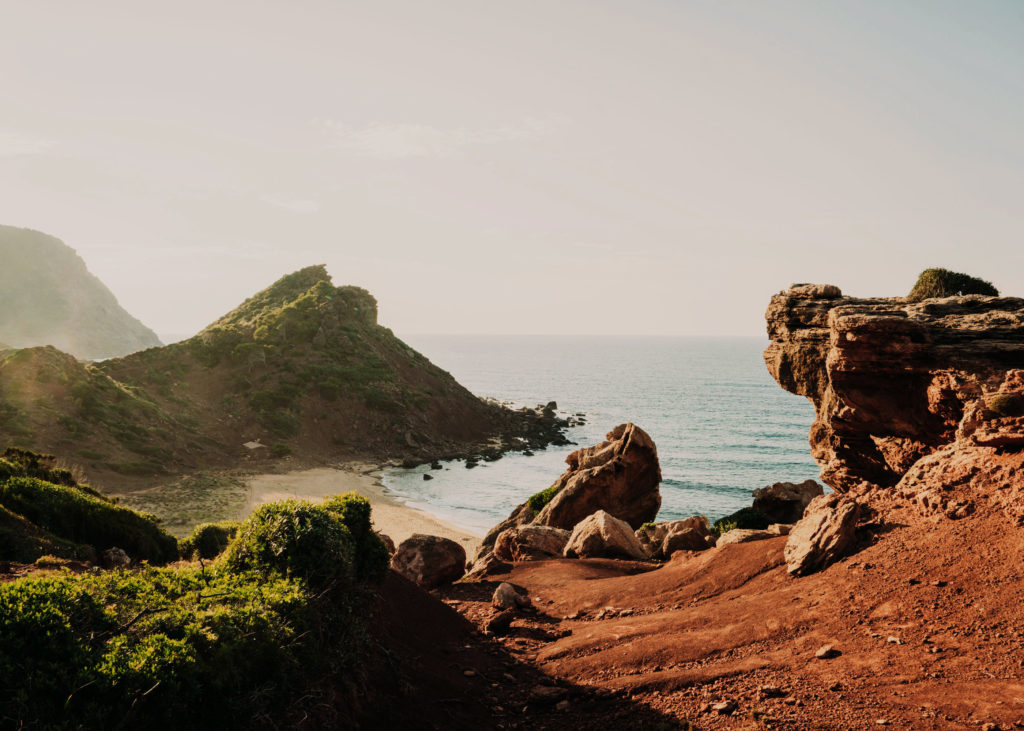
(724,708)
(827,652)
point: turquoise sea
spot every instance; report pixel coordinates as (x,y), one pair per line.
(722,425)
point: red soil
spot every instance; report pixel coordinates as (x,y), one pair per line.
(927,615)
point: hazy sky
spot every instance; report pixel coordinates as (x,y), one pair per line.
(517,167)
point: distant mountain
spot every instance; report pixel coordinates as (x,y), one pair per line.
(48,297)
(300,368)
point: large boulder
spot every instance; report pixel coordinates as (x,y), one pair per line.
(785,502)
(429,561)
(602,535)
(825,533)
(529,542)
(620,476)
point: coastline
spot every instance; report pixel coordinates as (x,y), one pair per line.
(391,515)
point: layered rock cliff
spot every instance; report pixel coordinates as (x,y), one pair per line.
(904,388)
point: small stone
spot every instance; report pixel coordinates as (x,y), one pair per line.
(770,691)
(990,727)
(724,708)
(939,583)
(562,706)
(894,640)
(835,686)
(827,652)
(881,722)
(500,623)
(469,673)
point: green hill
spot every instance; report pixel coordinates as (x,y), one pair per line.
(50,298)
(302,367)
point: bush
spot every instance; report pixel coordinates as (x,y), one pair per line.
(746,518)
(258,640)
(279,450)
(294,539)
(82,518)
(208,540)
(371,555)
(944,283)
(1007,404)
(542,498)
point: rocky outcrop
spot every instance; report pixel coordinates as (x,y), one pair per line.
(823,535)
(602,535)
(784,502)
(429,561)
(620,476)
(661,540)
(893,382)
(530,542)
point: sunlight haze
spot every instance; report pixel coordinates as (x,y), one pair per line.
(532,167)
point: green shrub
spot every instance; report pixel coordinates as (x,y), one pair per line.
(279,450)
(208,540)
(371,555)
(295,539)
(746,518)
(542,498)
(79,517)
(257,639)
(944,283)
(1006,404)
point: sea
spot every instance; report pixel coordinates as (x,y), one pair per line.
(722,425)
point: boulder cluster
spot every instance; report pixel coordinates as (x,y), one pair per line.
(603,506)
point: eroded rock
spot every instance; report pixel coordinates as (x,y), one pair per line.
(743,535)
(823,535)
(602,535)
(530,542)
(784,502)
(429,561)
(620,476)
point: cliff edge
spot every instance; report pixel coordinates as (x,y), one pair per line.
(897,385)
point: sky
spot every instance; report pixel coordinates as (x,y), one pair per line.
(636,167)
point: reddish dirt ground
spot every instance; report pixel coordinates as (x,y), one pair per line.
(927,615)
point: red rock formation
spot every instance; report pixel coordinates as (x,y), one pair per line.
(894,382)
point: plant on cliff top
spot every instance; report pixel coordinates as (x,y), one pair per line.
(1007,404)
(944,283)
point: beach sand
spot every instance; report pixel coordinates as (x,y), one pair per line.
(390,515)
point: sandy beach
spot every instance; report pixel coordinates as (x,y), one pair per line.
(390,515)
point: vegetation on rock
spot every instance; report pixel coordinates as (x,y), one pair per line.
(944,283)
(746,518)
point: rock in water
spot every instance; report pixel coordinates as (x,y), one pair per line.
(620,476)
(604,536)
(429,561)
(823,535)
(528,542)
(785,502)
